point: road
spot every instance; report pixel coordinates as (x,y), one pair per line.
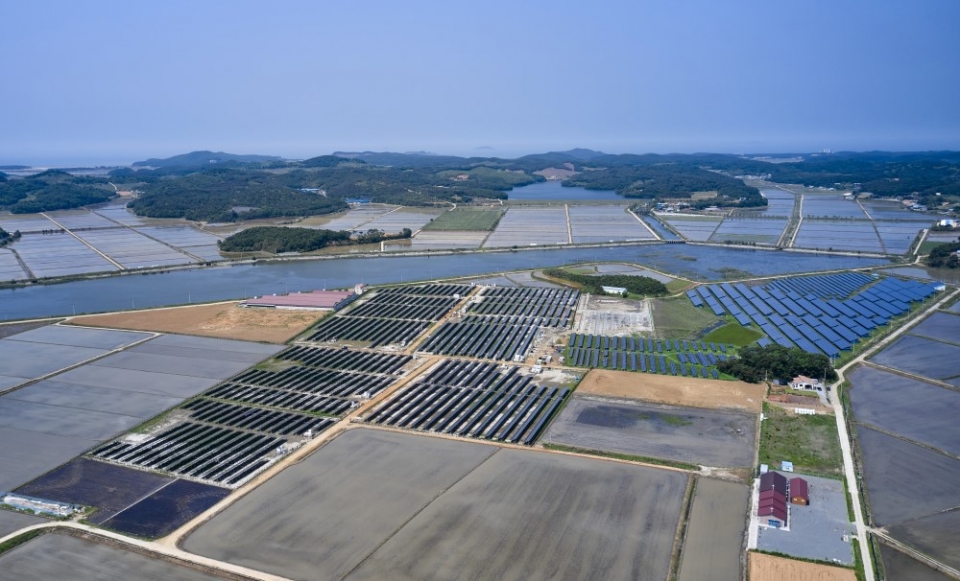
(849,468)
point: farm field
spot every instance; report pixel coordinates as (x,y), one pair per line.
(223,320)
(681,434)
(693,226)
(25,223)
(679,391)
(676,317)
(56,556)
(328,517)
(131,249)
(770,568)
(759,230)
(779,202)
(465,219)
(832,234)
(830,205)
(42,424)
(13,521)
(920,356)
(900,567)
(632,270)
(715,534)
(616,522)
(890,466)
(439,240)
(535,226)
(916,410)
(810,442)
(941,327)
(605,224)
(320,518)
(394,222)
(10,268)
(933,535)
(59,255)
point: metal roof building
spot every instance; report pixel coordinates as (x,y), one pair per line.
(320,300)
(774,481)
(799,493)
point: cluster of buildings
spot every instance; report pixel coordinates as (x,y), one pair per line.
(775,493)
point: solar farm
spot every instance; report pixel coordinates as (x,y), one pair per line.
(244,425)
(394,316)
(475,400)
(673,357)
(820,314)
(502,323)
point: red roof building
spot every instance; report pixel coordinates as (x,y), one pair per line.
(774,481)
(798,491)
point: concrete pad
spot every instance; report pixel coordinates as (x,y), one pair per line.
(87,397)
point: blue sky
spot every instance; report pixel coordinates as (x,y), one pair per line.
(113,82)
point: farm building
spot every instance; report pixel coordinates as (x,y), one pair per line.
(774,481)
(798,491)
(319,300)
(772,505)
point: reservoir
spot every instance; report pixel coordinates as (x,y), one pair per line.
(552,191)
(242,281)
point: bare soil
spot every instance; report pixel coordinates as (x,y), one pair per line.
(223,320)
(769,568)
(681,391)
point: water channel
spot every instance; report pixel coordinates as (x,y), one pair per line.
(241,281)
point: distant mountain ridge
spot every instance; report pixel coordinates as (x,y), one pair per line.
(204,158)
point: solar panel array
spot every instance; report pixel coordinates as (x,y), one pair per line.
(393,315)
(819,314)
(667,357)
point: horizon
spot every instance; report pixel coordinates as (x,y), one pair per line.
(80,163)
(97,84)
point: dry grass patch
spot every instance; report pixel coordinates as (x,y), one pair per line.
(681,391)
(769,568)
(223,320)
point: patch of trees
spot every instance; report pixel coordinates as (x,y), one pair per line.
(944,256)
(217,194)
(669,181)
(278,239)
(52,190)
(7,238)
(592,283)
(754,364)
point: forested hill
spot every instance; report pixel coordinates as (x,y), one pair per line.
(204,159)
(52,190)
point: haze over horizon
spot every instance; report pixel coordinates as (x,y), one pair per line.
(113,82)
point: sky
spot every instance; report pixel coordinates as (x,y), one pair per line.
(98,82)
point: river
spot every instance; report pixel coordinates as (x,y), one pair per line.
(232,282)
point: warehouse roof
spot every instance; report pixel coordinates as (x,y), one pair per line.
(774,481)
(319,299)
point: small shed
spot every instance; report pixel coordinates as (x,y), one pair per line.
(799,492)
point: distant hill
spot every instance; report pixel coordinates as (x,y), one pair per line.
(417,159)
(204,159)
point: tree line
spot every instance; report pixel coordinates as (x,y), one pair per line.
(944,256)
(280,239)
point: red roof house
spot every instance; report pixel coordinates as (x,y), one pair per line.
(798,491)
